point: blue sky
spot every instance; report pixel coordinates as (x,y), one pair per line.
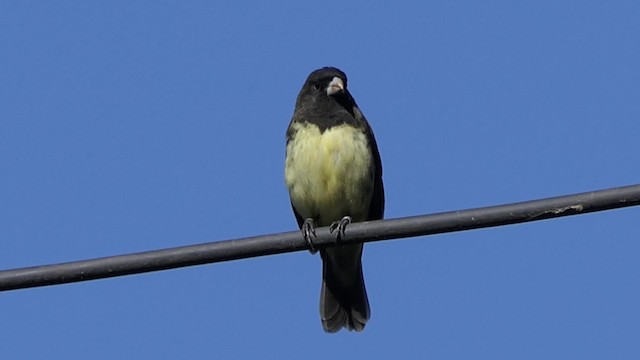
(135,125)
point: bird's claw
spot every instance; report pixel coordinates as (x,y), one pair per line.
(340,227)
(309,232)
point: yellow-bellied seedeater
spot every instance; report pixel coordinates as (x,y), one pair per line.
(333,173)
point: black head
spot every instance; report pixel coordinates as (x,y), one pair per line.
(326,89)
(321,79)
(325,102)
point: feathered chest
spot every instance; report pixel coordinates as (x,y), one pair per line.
(329,174)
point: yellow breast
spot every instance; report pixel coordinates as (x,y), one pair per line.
(329,175)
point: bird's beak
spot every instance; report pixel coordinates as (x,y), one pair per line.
(335,86)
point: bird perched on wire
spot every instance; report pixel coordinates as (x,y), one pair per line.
(333,173)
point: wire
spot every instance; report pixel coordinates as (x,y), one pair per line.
(292,241)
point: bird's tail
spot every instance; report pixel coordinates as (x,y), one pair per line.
(343,299)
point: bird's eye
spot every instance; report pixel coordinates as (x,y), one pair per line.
(316,86)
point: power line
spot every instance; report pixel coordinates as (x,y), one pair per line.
(292,241)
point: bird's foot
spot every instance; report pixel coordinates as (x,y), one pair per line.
(308,232)
(339,227)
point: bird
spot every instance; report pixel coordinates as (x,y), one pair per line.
(333,173)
